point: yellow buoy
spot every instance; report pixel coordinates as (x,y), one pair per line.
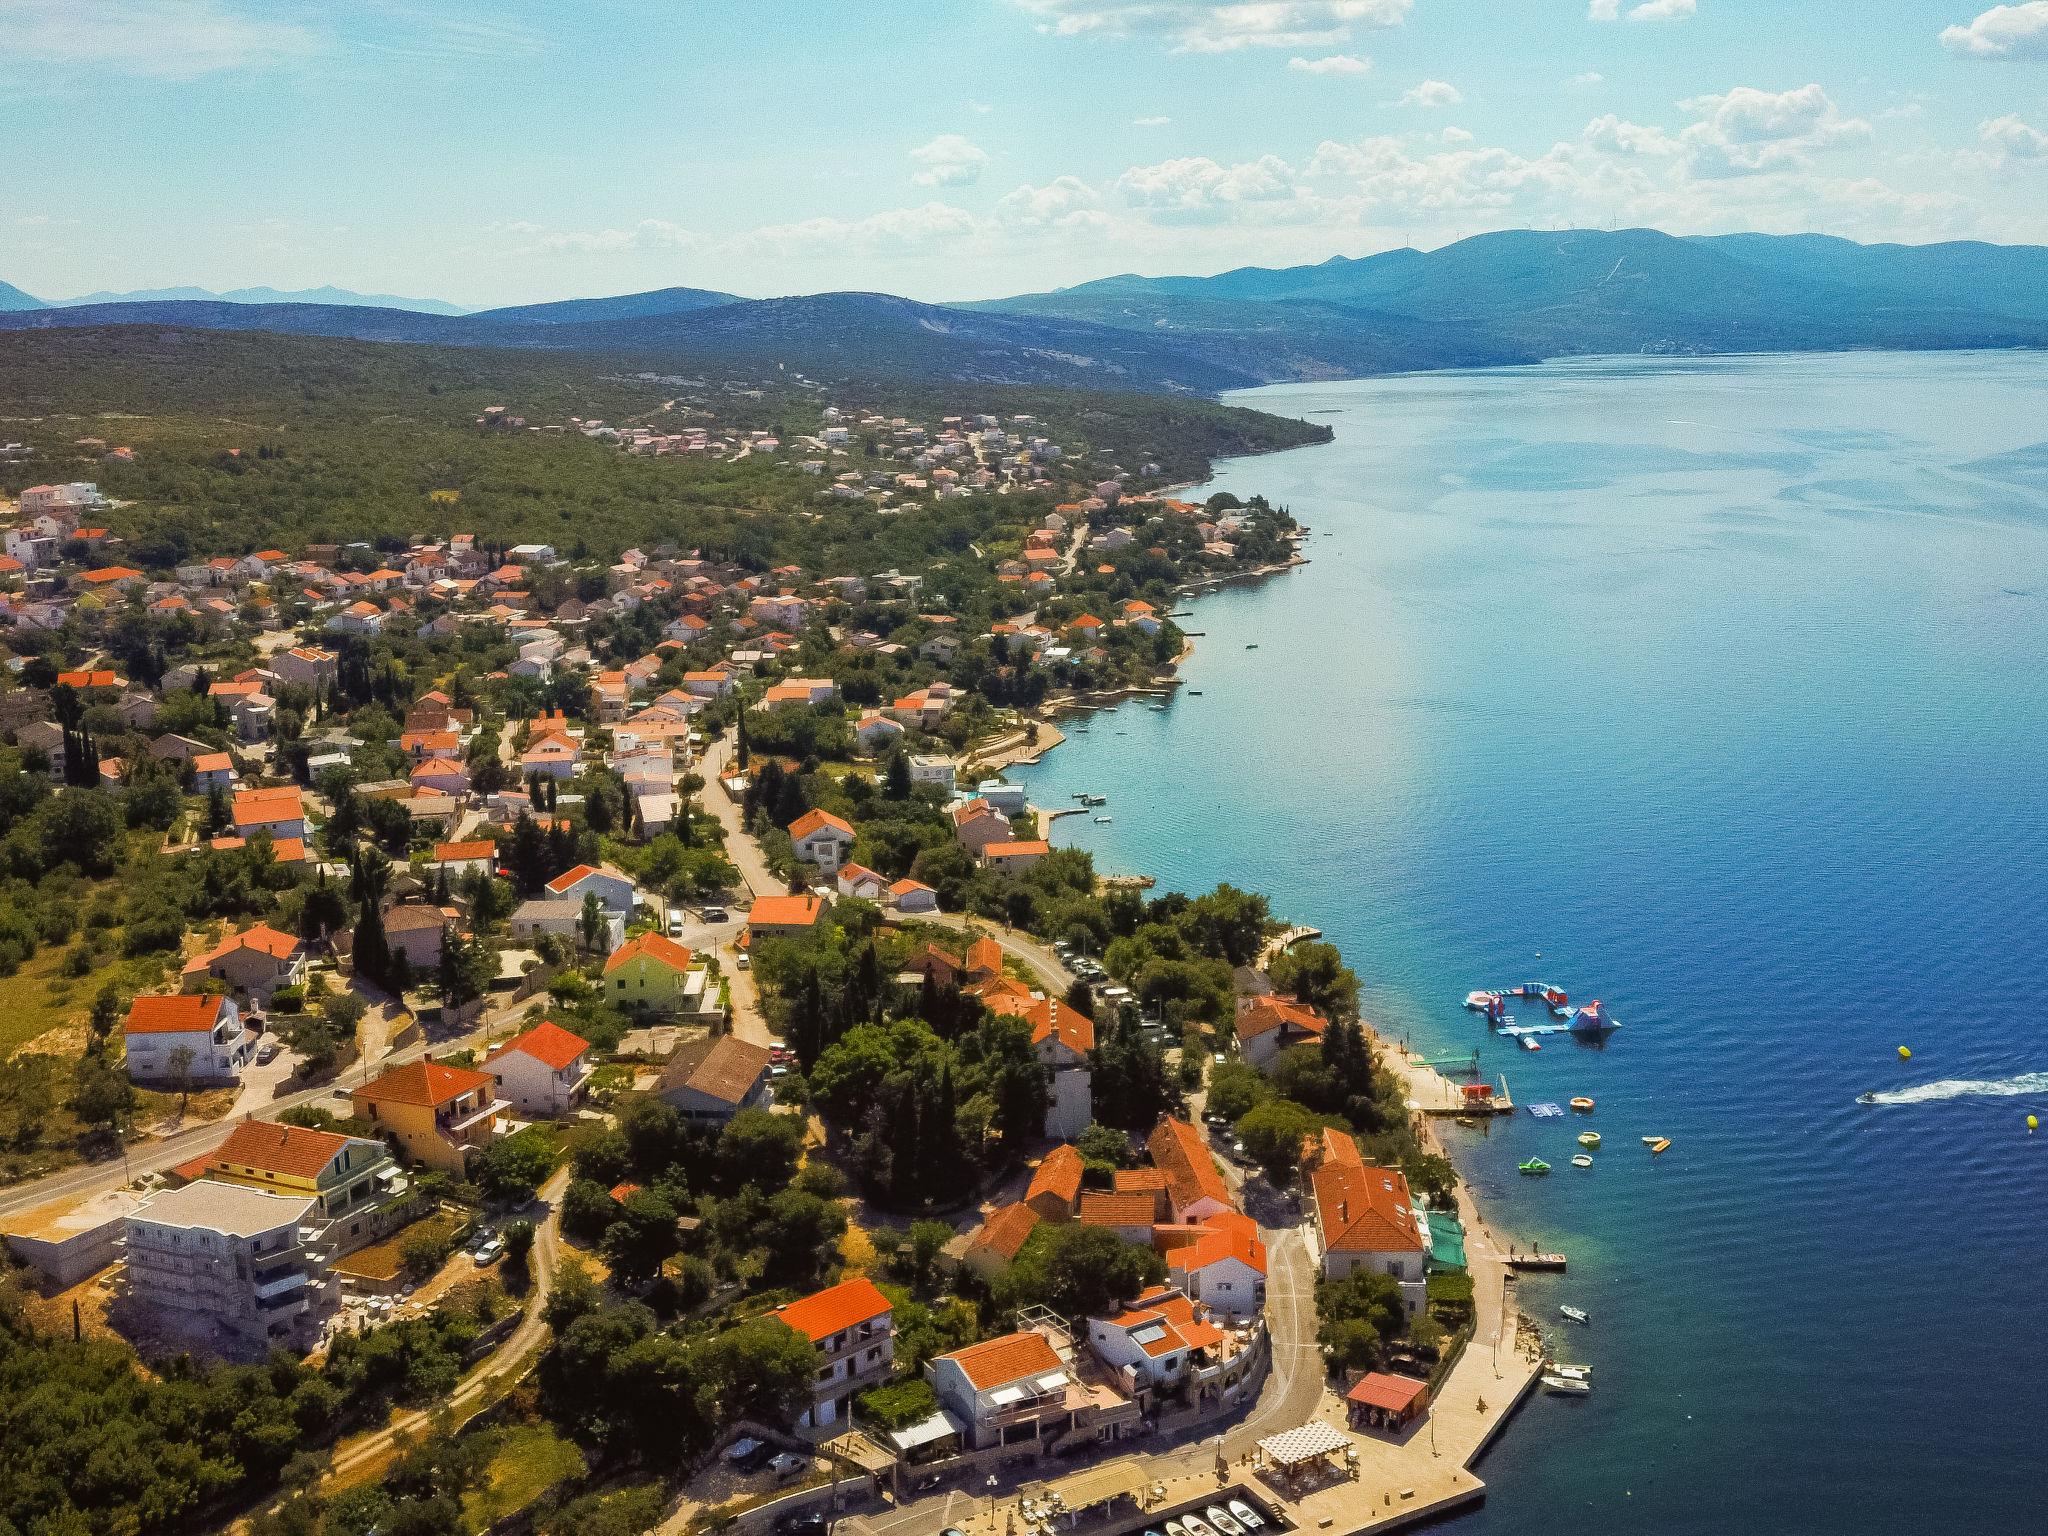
(1905,1053)
(2033,1124)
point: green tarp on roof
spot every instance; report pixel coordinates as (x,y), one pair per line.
(1446,1241)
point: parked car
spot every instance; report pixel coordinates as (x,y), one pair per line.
(713,914)
(788,1465)
(747,1453)
(743,962)
(266,1053)
(489,1252)
(675,925)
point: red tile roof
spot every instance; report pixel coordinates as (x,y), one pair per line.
(835,1309)
(785,912)
(1365,1210)
(291,1151)
(430,1083)
(262,938)
(179,1014)
(1005,1230)
(1051,1017)
(1262,1015)
(816,821)
(1191,1173)
(1014,1356)
(1059,1176)
(655,946)
(1103,1208)
(547,1043)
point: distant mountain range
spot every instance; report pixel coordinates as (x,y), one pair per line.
(1516,296)
(13,299)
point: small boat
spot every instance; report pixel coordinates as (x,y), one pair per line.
(1660,1145)
(1529,1042)
(1576,1314)
(1195,1527)
(1866,1098)
(1157,708)
(1247,1517)
(1194,693)
(1589,1138)
(1175,1528)
(1570,1372)
(1583,1104)
(1221,1518)
(1535,1165)
(1580,1160)
(1651,1141)
(1102,821)
(1253,646)
(1567,1386)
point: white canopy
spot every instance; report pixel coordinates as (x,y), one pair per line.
(1294,1446)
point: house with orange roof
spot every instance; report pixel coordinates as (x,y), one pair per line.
(1195,1189)
(1014,856)
(614,889)
(1154,1343)
(853,1326)
(913,896)
(785,917)
(435,1113)
(822,839)
(254,963)
(477,856)
(1268,1025)
(1055,1189)
(544,1072)
(186,1039)
(440,776)
(801,690)
(1000,1238)
(279,811)
(977,824)
(551,754)
(1130,1214)
(358,1191)
(1026,1388)
(1363,1217)
(651,972)
(1221,1263)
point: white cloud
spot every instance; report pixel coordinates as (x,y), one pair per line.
(1648,10)
(1432,93)
(1617,136)
(1150,122)
(1206,26)
(2003,32)
(1456,136)
(2011,139)
(646,235)
(1590,77)
(1196,188)
(1065,202)
(895,229)
(1746,130)
(165,39)
(1331,64)
(950,160)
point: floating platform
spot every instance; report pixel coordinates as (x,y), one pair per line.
(1553,1262)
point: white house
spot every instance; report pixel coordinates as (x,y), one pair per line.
(1223,1265)
(186,1038)
(913,896)
(614,890)
(1364,1218)
(821,838)
(853,1326)
(544,1072)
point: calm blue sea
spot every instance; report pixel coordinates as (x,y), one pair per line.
(1723,686)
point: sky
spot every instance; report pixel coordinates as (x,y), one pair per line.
(958,149)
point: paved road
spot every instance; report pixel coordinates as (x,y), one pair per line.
(496,1369)
(153,1156)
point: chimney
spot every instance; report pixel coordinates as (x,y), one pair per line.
(1343,1210)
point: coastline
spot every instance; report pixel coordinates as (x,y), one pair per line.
(1500,1365)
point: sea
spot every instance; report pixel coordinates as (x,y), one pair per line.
(1716,690)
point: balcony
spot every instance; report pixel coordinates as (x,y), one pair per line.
(458,1124)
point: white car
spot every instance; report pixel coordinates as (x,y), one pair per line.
(788,1465)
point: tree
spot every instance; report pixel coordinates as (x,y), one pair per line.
(1078,1271)
(1357,1317)
(181,1075)
(757,1147)
(1316,974)
(896,784)
(587,1210)
(1272,1134)
(762,1369)
(1130,1084)
(101,1097)
(591,925)
(510,1169)
(1235,1088)
(643,1237)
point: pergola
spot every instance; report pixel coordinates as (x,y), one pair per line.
(1295,1447)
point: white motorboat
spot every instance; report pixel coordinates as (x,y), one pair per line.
(1576,1314)
(1567,1386)
(1221,1519)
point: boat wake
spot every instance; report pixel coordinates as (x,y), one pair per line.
(1962,1088)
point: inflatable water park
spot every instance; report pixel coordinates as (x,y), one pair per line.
(1591,1021)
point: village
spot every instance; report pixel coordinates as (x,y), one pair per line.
(610,859)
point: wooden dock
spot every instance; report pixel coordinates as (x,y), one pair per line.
(1554,1262)
(1437,1096)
